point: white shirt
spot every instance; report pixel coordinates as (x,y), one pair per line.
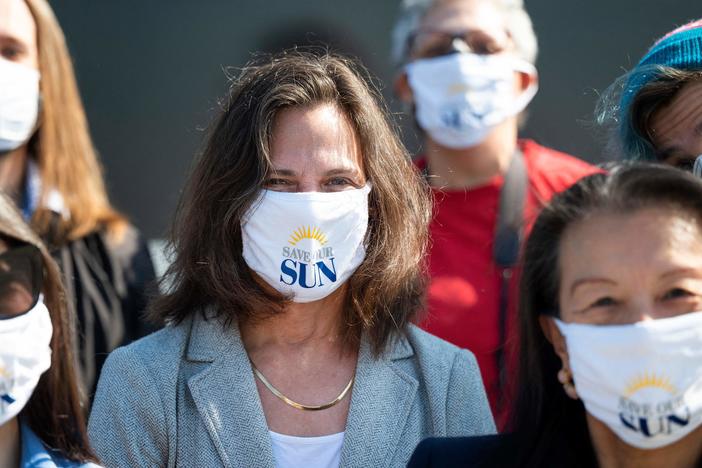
(313,452)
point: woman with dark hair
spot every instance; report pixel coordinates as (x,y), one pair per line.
(298,268)
(50,169)
(655,110)
(41,416)
(611,331)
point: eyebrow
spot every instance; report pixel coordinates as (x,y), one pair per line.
(332,172)
(584,281)
(682,271)
(668,151)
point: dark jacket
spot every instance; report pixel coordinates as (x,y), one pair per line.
(493,451)
(107,285)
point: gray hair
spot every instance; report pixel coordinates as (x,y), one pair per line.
(516,18)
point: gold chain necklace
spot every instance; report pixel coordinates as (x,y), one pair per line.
(295,404)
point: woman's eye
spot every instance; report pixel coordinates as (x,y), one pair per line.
(339,181)
(10,53)
(603,302)
(276,182)
(676,293)
(685,164)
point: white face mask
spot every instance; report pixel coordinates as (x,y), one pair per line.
(306,244)
(19,104)
(459,98)
(643,380)
(25,354)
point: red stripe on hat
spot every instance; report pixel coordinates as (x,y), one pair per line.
(685,27)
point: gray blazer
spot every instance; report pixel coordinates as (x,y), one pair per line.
(186,396)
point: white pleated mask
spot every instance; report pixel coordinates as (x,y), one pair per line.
(306,244)
(19,104)
(25,354)
(459,98)
(643,380)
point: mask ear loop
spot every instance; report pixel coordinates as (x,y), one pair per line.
(528,94)
(697,168)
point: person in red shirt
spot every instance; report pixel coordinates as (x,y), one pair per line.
(466,69)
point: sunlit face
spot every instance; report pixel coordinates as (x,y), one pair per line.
(626,268)
(479,23)
(315,149)
(18,36)
(676,128)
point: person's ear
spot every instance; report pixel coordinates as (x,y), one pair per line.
(554,336)
(526,80)
(557,340)
(402,88)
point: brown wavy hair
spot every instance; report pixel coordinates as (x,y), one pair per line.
(62,145)
(208,268)
(55,411)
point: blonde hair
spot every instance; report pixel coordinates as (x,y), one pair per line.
(62,145)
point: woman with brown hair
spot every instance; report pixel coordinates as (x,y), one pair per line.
(298,268)
(49,167)
(41,416)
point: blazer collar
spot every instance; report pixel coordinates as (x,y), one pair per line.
(226,397)
(380,405)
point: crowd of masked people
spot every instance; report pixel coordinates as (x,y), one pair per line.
(332,300)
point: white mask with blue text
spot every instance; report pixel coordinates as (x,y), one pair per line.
(643,380)
(25,354)
(459,98)
(306,244)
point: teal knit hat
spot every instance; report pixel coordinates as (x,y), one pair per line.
(681,49)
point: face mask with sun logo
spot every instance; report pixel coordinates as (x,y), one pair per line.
(643,380)
(25,354)
(306,244)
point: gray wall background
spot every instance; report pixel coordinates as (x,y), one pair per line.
(151,72)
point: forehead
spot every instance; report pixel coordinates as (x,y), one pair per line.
(16,21)
(458,15)
(314,139)
(681,117)
(647,240)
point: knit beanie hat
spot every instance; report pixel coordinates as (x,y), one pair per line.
(680,49)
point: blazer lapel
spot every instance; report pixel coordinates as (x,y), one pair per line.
(380,404)
(226,397)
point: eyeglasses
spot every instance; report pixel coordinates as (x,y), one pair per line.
(21,280)
(427,43)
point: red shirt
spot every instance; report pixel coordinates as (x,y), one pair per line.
(463,295)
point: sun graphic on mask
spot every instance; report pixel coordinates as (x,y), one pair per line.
(307,232)
(649,380)
(4,373)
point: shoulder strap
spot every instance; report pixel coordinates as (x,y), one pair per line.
(510,215)
(506,247)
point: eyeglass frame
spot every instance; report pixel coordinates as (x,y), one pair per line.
(462,36)
(37,270)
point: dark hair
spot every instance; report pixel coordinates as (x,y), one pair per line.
(54,411)
(544,418)
(208,268)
